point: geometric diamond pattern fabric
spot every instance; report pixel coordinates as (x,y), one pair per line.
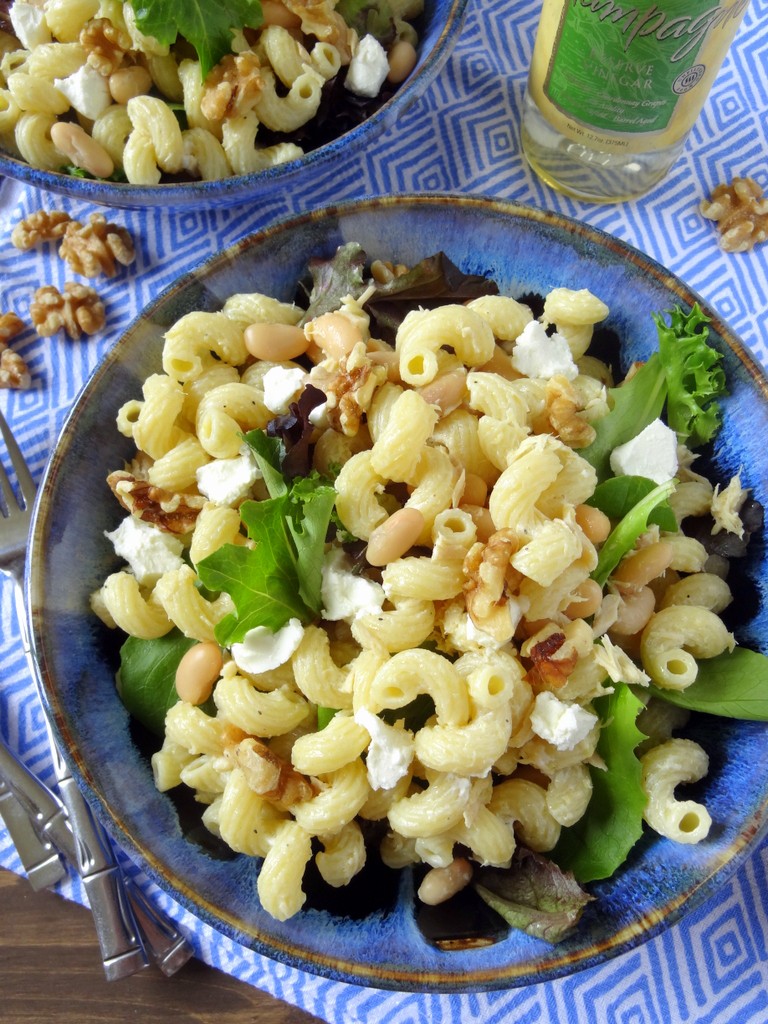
(461,136)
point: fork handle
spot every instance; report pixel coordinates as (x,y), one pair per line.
(41,861)
(118,934)
(48,817)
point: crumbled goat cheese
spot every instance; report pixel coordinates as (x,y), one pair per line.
(87,91)
(148,550)
(368,68)
(281,386)
(652,454)
(318,417)
(562,725)
(346,596)
(262,650)
(29,25)
(390,751)
(538,354)
(226,481)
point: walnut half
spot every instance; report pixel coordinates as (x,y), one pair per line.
(77,310)
(174,513)
(95,248)
(14,372)
(741,213)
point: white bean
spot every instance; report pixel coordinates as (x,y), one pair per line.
(76,144)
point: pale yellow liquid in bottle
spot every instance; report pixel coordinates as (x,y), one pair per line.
(597,163)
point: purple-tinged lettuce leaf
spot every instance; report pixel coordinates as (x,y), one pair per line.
(534,895)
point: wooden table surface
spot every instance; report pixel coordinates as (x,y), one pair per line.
(50,970)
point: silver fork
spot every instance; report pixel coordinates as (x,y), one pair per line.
(70,826)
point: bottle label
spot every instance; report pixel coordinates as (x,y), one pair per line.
(626,68)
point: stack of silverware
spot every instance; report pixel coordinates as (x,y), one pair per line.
(56,832)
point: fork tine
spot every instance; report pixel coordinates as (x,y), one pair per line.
(7,497)
(24,477)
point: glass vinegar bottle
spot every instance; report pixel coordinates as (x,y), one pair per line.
(613,91)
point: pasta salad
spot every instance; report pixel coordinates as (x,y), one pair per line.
(162,92)
(409,574)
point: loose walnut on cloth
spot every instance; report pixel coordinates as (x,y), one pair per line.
(91,249)
(40,226)
(14,372)
(96,247)
(741,213)
(78,310)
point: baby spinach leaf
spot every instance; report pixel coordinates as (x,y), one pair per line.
(732,684)
(634,404)
(600,842)
(147,677)
(618,495)
(624,535)
(207,24)
(534,895)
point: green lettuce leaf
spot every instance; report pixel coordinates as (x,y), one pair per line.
(618,496)
(369,17)
(533,895)
(207,24)
(147,676)
(694,376)
(684,376)
(624,535)
(732,685)
(334,278)
(597,845)
(280,578)
(634,404)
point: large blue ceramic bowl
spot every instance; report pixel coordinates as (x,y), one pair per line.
(381,945)
(439,27)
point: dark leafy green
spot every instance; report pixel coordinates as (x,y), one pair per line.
(624,535)
(634,404)
(433,282)
(732,685)
(533,895)
(600,842)
(617,496)
(147,677)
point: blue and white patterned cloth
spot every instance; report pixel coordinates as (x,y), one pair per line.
(463,136)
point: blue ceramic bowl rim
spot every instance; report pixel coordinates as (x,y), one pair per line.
(639,931)
(239,188)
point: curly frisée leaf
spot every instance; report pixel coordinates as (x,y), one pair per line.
(207,24)
(695,378)
(597,845)
(534,895)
